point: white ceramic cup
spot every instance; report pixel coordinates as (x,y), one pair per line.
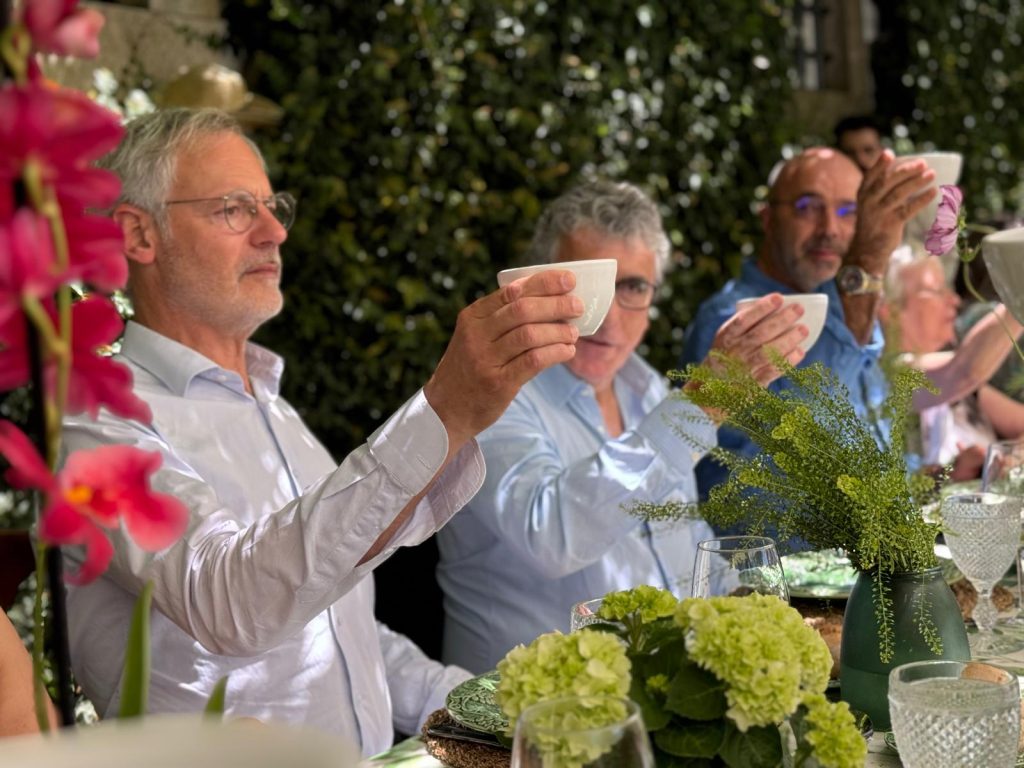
(947,167)
(595,285)
(1004,257)
(815,310)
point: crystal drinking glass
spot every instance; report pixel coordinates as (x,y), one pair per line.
(581,732)
(1004,473)
(954,714)
(584,614)
(1004,468)
(982,532)
(738,565)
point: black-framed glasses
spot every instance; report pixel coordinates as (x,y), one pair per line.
(813,206)
(634,293)
(239,208)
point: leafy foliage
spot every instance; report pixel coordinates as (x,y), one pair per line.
(820,476)
(423,138)
(715,680)
(966,85)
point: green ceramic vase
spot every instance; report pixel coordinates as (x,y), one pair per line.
(864,679)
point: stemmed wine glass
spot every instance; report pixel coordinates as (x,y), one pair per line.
(739,565)
(1003,473)
(982,531)
(582,732)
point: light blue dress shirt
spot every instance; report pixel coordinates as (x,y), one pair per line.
(265,585)
(548,528)
(855,365)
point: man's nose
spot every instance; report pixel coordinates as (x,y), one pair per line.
(829,221)
(267,229)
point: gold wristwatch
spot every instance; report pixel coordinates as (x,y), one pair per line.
(854,281)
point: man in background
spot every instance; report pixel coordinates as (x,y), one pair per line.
(859,138)
(828,228)
(582,441)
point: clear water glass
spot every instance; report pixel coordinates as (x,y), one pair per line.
(739,565)
(1003,473)
(982,531)
(581,732)
(584,614)
(954,714)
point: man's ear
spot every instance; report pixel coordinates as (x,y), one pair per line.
(140,233)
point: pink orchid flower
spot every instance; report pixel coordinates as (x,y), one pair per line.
(96,251)
(59,26)
(941,238)
(62,132)
(27,263)
(96,380)
(95,490)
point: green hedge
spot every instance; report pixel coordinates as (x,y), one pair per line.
(423,137)
(966,82)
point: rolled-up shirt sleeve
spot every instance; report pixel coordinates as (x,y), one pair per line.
(240,589)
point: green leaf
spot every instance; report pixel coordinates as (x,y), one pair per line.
(759,747)
(665,760)
(696,694)
(215,704)
(691,739)
(655,716)
(135,688)
(671,653)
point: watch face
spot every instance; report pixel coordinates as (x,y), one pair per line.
(850,279)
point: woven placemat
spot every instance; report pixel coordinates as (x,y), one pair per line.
(461,754)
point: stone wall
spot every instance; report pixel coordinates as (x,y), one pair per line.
(153,43)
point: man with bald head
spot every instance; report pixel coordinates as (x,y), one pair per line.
(828,229)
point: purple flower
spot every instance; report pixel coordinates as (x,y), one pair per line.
(941,238)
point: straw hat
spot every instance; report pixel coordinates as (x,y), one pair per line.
(214,85)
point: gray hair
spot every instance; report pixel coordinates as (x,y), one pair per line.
(619,210)
(901,261)
(146,158)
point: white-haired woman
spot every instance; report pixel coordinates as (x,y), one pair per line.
(966,414)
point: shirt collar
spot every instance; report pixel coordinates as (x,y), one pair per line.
(177,365)
(560,385)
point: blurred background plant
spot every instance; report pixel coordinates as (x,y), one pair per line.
(422,140)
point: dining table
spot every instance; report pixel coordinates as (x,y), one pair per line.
(412,753)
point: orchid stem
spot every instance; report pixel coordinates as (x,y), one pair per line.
(38,688)
(48,559)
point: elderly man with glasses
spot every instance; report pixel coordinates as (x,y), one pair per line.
(582,440)
(271,584)
(828,228)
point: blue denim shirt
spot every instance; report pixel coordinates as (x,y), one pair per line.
(855,365)
(549,527)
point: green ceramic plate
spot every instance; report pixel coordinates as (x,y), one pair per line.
(827,575)
(473,705)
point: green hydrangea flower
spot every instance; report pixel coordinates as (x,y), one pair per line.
(833,733)
(658,684)
(648,602)
(762,650)
(556,665)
